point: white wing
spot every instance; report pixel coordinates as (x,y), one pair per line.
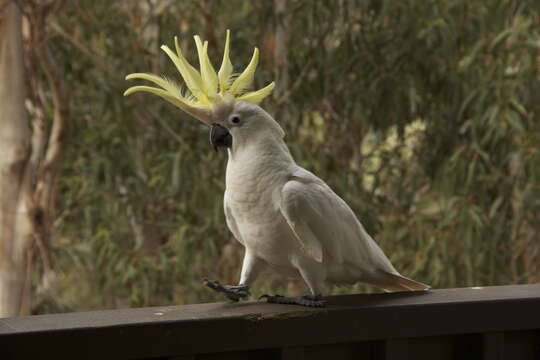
(325,225)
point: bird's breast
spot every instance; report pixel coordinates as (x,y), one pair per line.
(255,208)
(254,183)
(253,189)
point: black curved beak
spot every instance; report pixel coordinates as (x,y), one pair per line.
(220,137)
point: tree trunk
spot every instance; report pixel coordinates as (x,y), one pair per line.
(281,58)
(15,150)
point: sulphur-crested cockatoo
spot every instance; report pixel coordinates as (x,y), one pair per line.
(285,216)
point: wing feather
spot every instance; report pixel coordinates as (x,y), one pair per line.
(326,226)
(292,205)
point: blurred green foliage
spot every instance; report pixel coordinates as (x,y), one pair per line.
(422,115)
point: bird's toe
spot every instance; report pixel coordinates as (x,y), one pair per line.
(306,300)
(233,292)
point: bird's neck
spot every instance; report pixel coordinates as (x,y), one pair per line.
(265,160)
(265,147)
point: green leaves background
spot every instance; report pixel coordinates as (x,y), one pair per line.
(422,115)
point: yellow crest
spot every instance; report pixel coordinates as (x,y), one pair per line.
(204,87)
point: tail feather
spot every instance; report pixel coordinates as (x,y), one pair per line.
(395,282)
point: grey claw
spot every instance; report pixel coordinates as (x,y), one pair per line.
(307,300)
(212,284)
(234,293)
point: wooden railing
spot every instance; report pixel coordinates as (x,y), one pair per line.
(501,322)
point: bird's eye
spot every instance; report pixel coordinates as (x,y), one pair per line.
(235,120)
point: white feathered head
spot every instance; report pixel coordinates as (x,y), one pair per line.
(205,88)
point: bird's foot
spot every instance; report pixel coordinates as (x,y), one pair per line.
(233,292)
(306,300)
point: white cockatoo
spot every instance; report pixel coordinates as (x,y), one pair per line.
(285,216)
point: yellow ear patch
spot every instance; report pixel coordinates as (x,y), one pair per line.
(204,86)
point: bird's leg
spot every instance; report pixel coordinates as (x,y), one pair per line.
(250,269)
(306,300)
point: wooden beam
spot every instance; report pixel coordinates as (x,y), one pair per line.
(255,326)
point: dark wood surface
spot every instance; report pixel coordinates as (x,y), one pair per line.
(357,322)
